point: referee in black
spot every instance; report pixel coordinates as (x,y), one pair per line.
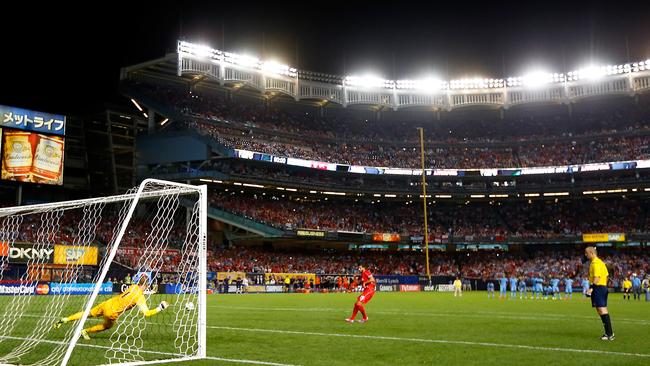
(598,291)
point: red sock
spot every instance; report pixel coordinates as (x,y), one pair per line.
(354,312)
(363,311)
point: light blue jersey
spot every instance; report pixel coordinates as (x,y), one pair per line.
(513,287)
(503,284)
(538,284)
(568,288)
(522,289)
(636,287)
(555,287)
(490,289)
(555,283)
(585,286)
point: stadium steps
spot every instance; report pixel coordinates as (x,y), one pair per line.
(215,146)
(170,113)
(240,222)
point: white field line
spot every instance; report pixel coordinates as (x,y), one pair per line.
(233,360)
(473,314)
(440,341)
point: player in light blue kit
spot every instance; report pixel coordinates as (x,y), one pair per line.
(539,286)
(490,289)
(513,287)
(636,287)
(555,288)
(503,284)
(522,288)
(568,288)
(585,287)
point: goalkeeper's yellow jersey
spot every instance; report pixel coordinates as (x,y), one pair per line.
(131,297)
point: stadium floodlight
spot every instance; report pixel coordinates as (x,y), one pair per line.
(162,123)
(198,50)
(428,84)
(514,81)
(246,60)
(592,72)
(476,83)
(203,51)
(537,78)
(242,60)
(274,67)
(368,81)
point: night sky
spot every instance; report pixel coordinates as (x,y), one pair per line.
(65,59)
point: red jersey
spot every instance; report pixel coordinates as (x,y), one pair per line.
(365,277)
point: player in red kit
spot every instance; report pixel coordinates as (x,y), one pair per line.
(368,283)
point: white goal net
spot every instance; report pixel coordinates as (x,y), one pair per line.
(109,280)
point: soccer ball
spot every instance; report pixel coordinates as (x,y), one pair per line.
(189,306)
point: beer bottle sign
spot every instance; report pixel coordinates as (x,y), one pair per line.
(17,154)
(48,159)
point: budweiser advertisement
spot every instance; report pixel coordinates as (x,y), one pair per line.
(32,157)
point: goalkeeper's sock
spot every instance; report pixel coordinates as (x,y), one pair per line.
(96,328)
(363,311)
(607,324)
(72,317)
(354,312)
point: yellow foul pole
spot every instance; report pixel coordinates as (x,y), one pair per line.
(424,203)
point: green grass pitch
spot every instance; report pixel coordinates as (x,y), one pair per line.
(411,329)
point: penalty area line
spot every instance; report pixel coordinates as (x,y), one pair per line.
(440,341)
(231,360)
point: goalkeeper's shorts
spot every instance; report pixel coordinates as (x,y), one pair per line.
(104,310)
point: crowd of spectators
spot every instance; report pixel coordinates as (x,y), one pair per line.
(597,135)
(562,264)
(486,265)
(535,219)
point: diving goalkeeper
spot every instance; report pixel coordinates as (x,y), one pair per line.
(112,308)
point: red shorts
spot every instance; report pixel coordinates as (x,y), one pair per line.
(366,295)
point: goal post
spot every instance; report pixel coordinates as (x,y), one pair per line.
(128,271)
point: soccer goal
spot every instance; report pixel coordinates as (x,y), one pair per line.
(109,280)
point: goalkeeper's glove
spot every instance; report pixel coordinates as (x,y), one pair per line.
(163,305)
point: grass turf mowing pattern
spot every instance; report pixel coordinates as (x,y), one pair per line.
(309,329)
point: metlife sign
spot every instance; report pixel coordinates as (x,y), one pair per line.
(23,253)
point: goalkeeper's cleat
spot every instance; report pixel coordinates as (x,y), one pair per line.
(349,320)
(58,324)
(363,320)
(84,334)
